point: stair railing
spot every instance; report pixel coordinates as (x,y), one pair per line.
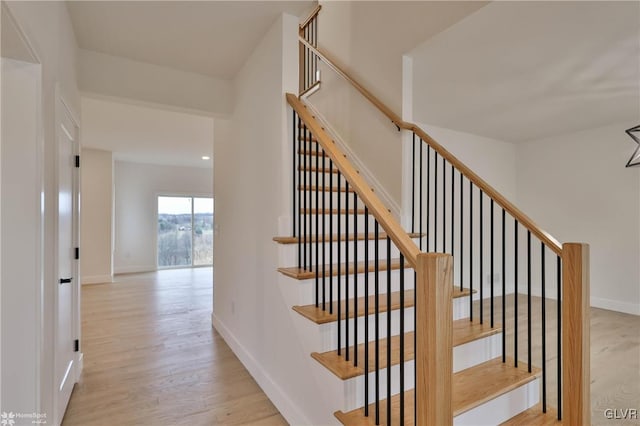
(438,210)
(309,73)
(336,286)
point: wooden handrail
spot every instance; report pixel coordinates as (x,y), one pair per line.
(331,63)
(394,230)
(516,213)
(312,15)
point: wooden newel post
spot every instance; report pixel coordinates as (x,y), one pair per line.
(434,331)
(576,402)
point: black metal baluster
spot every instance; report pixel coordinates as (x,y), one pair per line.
(428,197)
(377,319)
(388,331)
(529,300)
(435,202)
(401,340)
(492,265)
(413,185)
(515,298)
(366,310)
(309,202)
(544,327)
(317,210)
(504,290)
(293,176)
(331,236)
(339,261)
(559,333)
(481,284)
(444,205)
(310,56)
(421,196)
(346,269)
(461,230)
(453,191)
(324,230)
(301,190)
(355,279)
(470,251)
(306,191)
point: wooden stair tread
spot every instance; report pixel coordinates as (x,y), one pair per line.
(332,211)
(317,315)
(464,331)
(325,238)
(534,417)
(471,387)
(314,188)
(481,383)
(305,274)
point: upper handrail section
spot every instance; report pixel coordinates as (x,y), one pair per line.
(491,192)
(312,15)
(376,207)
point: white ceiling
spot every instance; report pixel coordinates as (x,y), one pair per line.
(519,71)
(147,135)
(207,37)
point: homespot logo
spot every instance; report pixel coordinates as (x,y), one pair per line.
(11,418)
(7,419)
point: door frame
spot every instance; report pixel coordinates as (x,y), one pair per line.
(30,54)
(62,108)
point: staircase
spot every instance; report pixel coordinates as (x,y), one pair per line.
(400,342)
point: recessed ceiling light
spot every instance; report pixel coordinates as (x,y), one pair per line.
(204,157)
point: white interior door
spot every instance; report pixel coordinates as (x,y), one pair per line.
(68,280)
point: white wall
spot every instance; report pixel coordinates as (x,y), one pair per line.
(21,235)
(48,28)
(96,188)
(577,187)
(125,78)
(136,189)
(369,38)
(252,166)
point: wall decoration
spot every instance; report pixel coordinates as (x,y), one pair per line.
(635,158)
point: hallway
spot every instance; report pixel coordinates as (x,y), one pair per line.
(151,357)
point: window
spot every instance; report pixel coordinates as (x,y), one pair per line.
(185,231)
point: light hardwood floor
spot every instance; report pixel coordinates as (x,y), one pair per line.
(152,358)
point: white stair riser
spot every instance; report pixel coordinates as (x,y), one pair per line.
(307,287)
(354,388)
(329,332)
(331,222)
(463,357)
(288,253)
(476,352)
(329,198)
(502,408)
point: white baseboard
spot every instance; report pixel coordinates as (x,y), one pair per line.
(134,269)
(97,279)
(80,366)
(279,398)
(615,305)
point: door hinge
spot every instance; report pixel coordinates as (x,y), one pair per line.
(77,253)
(77,161)
(76,345)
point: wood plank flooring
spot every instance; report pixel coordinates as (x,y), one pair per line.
(151,357)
